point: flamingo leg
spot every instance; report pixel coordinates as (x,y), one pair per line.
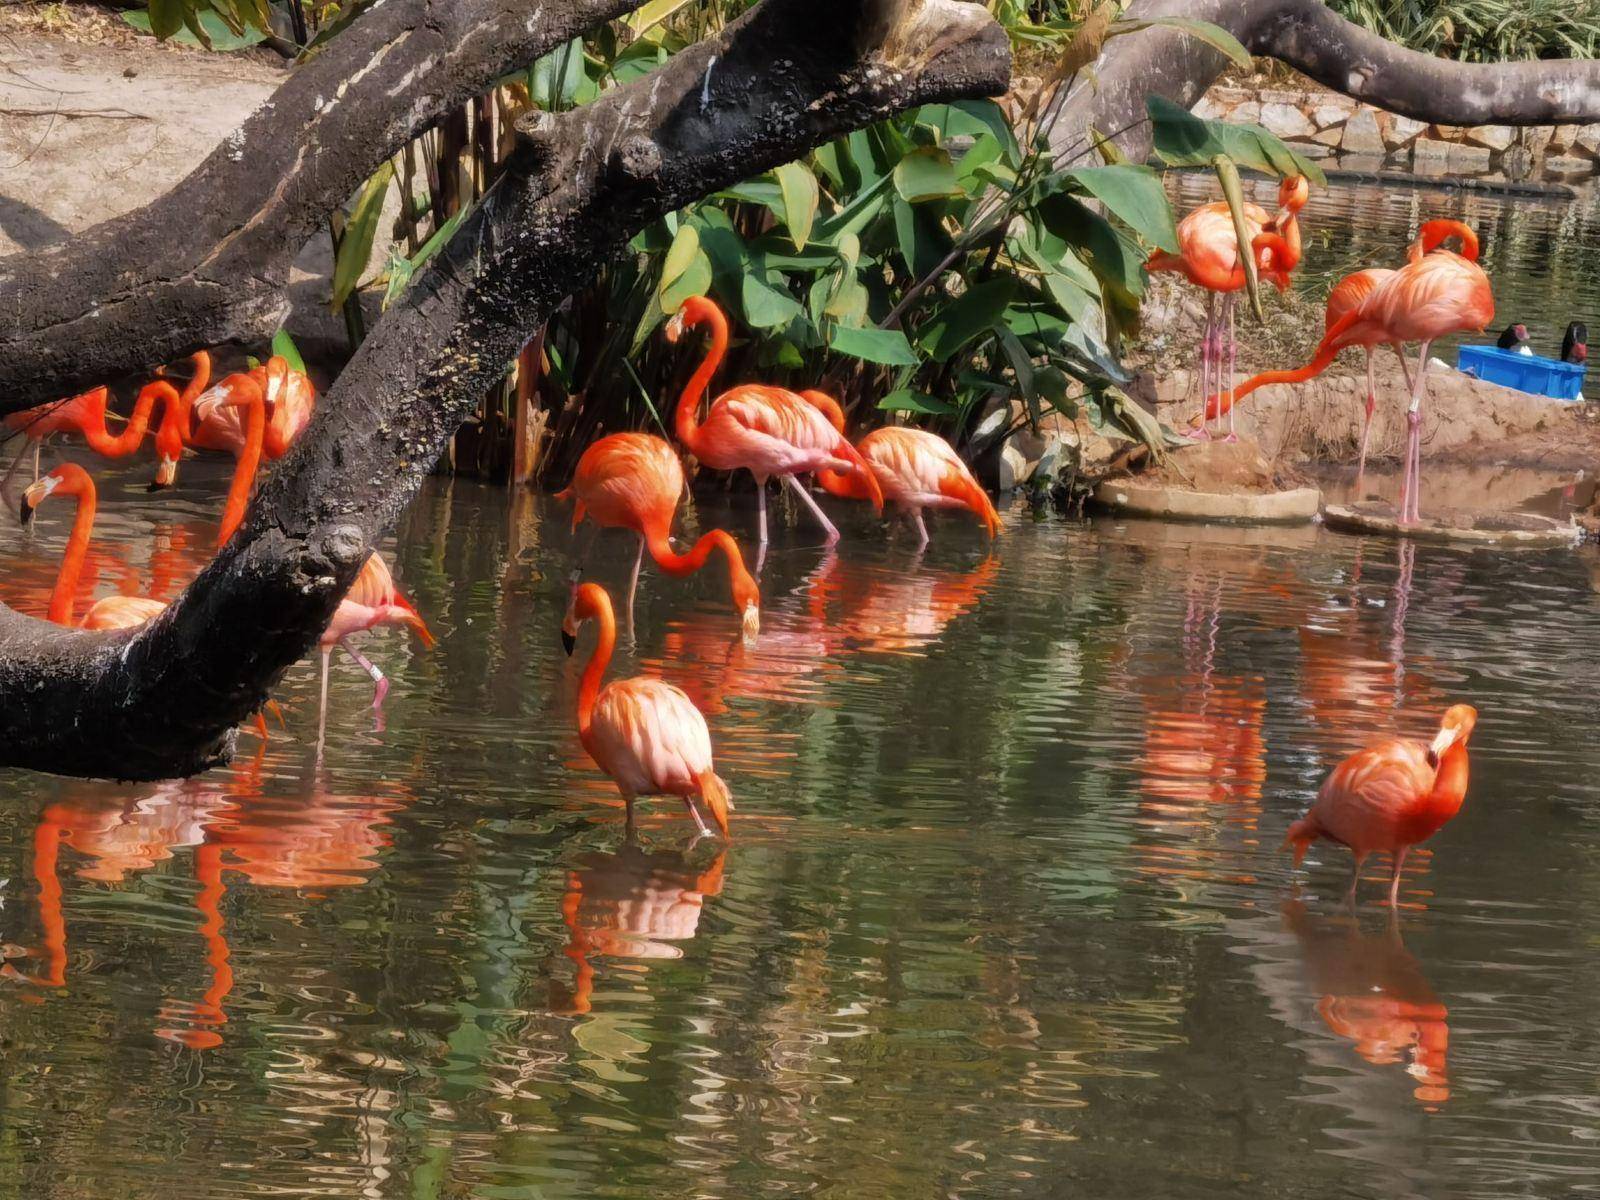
(699,821)
(1355,878)
(585,543)
(633,580)
(1229,303)
(922,528)
(1411,483)
(761,509)
(629,832)
(380,685)
(37,446)
(1366,424)
(1405,367)
(1206,348)
(1394,880)
(816,509)
(322,708)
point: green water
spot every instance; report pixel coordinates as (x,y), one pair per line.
(1004,912)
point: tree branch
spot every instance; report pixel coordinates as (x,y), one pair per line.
(208,262)
(785,77)
(1316,41)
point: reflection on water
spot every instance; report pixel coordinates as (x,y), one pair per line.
(1004,906)
(1540,253)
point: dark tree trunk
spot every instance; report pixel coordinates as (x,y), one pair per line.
(208,262)
(1316,41)
(787,76)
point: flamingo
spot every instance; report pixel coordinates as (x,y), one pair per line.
(86,415)
(915,470)
(768,431)
(644,733)
(633,481)
(1436,293)
(1390,796)
(1208,257)
(372,600)
(209,418)
(173,432)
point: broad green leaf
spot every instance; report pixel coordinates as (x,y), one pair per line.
(848,303)
(1214,36)
(684,248)
(222,38)
(1134,196)
(906,400)
(360,231)
(926,174)
(921,240)
(1181,139)
(1022,368)
(971,118)
(886,346)
(984,152)
(166,17)
(767,303)
(800,199)
(283,346)
(960,321)
(693,280)
(653,13)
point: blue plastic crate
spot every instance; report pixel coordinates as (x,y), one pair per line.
(1525,372)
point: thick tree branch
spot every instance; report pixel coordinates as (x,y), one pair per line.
(1316,41)
(208,262)
(787,76)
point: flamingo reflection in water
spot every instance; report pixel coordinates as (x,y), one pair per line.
(636,903)
(1373,993)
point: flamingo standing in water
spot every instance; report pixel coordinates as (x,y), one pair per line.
(768,431)
(644,733)
(1436,293)
(1390,796)
(633,481)
(210,418)
(372,600)
(915,470)
(86,415)
(1209,258)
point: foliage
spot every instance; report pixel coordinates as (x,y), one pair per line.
(217,24)
(1483,30)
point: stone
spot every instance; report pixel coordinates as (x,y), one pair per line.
(1247,111)
(1402,131)
(1537,139)
(1020,458)
(1361,134)
(1495,137)
(1279,96)
(1328,137)
(1561,139)
(1287,121)
(1324,115)
(1587,141)
(1567,164)
(1430,150)
(1208,109)
(1466,158)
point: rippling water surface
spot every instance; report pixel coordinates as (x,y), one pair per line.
(1004,913)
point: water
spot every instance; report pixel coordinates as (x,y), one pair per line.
(1540,253)
(1004,913)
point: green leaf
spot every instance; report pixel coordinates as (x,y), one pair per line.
(693,280)
(283,346)
(355,248)
(800,199)
(926,174)
(653,13)
(1214,36)
(1134,195)
(1181,139)
(767,303)
(906,400)
(960,321)
(886,346)
(684,247)
(166,17)
(216,29)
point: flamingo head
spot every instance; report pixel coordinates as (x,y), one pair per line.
(166,473)
(677,326)
(588,600)
(1455,727)
(68,479)
(1293,193)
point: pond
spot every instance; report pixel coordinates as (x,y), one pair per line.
(1542,253)
(1004,912)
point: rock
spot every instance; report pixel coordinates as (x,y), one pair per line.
(1246,111)
(1402,131)
(1561,139)
(1328,137)
(1495,137)
(1279,96)
(1516,162)
(1567,164)
(1467,158)
(1430,151)
(1537,139)
(1361,133)
(1313,149)
(1208,109)
(1020,458)
(1324,114)
(1587,141)
(1287,121)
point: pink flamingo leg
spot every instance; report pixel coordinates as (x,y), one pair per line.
(15,464)
(1228,305)
(761,509)
(1411,484)
(1366,424)
(1394,881)
(1203,433)
(816,509)
(633,580)
(380,685)
(922,528)
(322,708)
(1355,878)
(699,821)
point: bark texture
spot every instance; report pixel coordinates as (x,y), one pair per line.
(1317,42)
(787,76)
(207,263)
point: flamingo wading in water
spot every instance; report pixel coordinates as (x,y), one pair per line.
(644,733)
(915,470)
(1390,796)
(1209,258)
(633,481)
(372,600)
(86,415)
(768,431)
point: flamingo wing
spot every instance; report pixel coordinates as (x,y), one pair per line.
(648,736)
(121,612)
(628,480)
(1368,795)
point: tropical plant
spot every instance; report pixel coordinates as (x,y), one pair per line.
(1483,30)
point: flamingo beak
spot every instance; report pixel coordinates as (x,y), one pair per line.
(750,624)
(35,495)
(676,326)
(166,474)
(1442,741)
(569,641)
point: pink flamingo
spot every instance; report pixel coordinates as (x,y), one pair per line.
(372,600)
(915,470)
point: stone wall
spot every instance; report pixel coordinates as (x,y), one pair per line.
(1322,123)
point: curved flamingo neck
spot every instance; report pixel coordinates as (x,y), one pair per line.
(1450,784)
(688,416)
(589,686)
(102,442)
(846,487)
(72,558)
(244,471)
(276,392)
(1218,405)
(1434,234)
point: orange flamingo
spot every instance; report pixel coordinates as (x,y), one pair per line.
(633,481)
(289,397)
(768,431)
(1209,258)
(1390,796)
(915,470)
(644,733)
(1435,294)
(173,433)
(372,600)
(86,415)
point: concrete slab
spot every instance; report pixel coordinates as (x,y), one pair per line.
(1297,506)
(1498,531)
